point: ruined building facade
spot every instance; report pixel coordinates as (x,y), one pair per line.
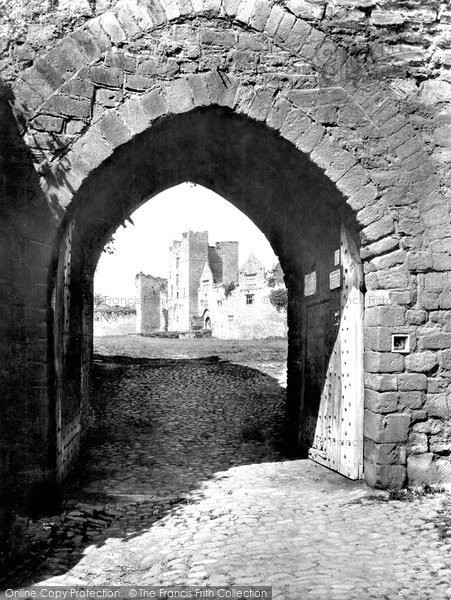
(242,308)
(151,304)
(187,258)
(206,291)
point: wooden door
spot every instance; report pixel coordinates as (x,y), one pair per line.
(334,364)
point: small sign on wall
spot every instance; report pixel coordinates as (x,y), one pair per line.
(335,279)
(310,284)
(337,258)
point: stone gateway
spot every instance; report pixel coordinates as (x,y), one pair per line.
(327,124)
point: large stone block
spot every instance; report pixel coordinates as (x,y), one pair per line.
(419,261)
(421,362)
(387,261)
(48,123)
(120,60)
(390,428)
(444,359)
(140,13)
(133,116)
(381,383)
(384,476)
(285,26)
(434,341)
(64,105)
(417,443)
(112,28)
(384,454)
(379,248)
(218,37)
(298,35)
(412,381)
(441,442)
(381,402)
(260,15)
(94,28)
(381,228)
(87,44)
(383,362)
(416,317)
(138,83)
(428,469)
(113,129)
(179,96)
(154,103)
(412,400)
(222,91)
(45,76)
(108,76)
(438,405)
(127,21)
(385,316)
(78,86)
(92,149)
(274,19)
(390,279)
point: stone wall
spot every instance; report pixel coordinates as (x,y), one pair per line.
(152,301)
(232,318)
(345,106)
(110,323)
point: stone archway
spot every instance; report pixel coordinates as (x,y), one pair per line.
(111,88)
(261,174)
(207,321)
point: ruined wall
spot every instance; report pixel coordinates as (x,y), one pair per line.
(151,301)
(111,323)
(232,318)
(228,251)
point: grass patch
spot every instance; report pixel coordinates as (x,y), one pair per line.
(411,494)
(443,520)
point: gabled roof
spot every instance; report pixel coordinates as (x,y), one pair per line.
(252,265)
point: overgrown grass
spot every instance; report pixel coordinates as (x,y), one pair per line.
(410,494)
(443,520)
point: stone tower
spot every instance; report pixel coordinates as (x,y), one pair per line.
(228,251)
(186,260)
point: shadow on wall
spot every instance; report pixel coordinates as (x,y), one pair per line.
(151,449)
(28,230)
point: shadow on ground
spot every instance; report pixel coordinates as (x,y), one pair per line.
(159,428)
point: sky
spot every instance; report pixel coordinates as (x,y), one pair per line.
(144,246)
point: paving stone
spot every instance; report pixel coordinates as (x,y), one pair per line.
(183,480)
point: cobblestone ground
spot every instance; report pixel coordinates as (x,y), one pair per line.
(183,481)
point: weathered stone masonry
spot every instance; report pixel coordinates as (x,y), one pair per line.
(357,99)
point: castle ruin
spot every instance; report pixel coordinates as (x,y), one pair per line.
(206,291)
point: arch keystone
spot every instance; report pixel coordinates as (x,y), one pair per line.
(179,95)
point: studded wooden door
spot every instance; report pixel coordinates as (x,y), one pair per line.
(334,364)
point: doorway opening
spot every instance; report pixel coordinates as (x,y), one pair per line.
(307,223)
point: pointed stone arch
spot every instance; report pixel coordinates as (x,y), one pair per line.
(92,97)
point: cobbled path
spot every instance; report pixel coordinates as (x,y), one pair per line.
(183,481)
